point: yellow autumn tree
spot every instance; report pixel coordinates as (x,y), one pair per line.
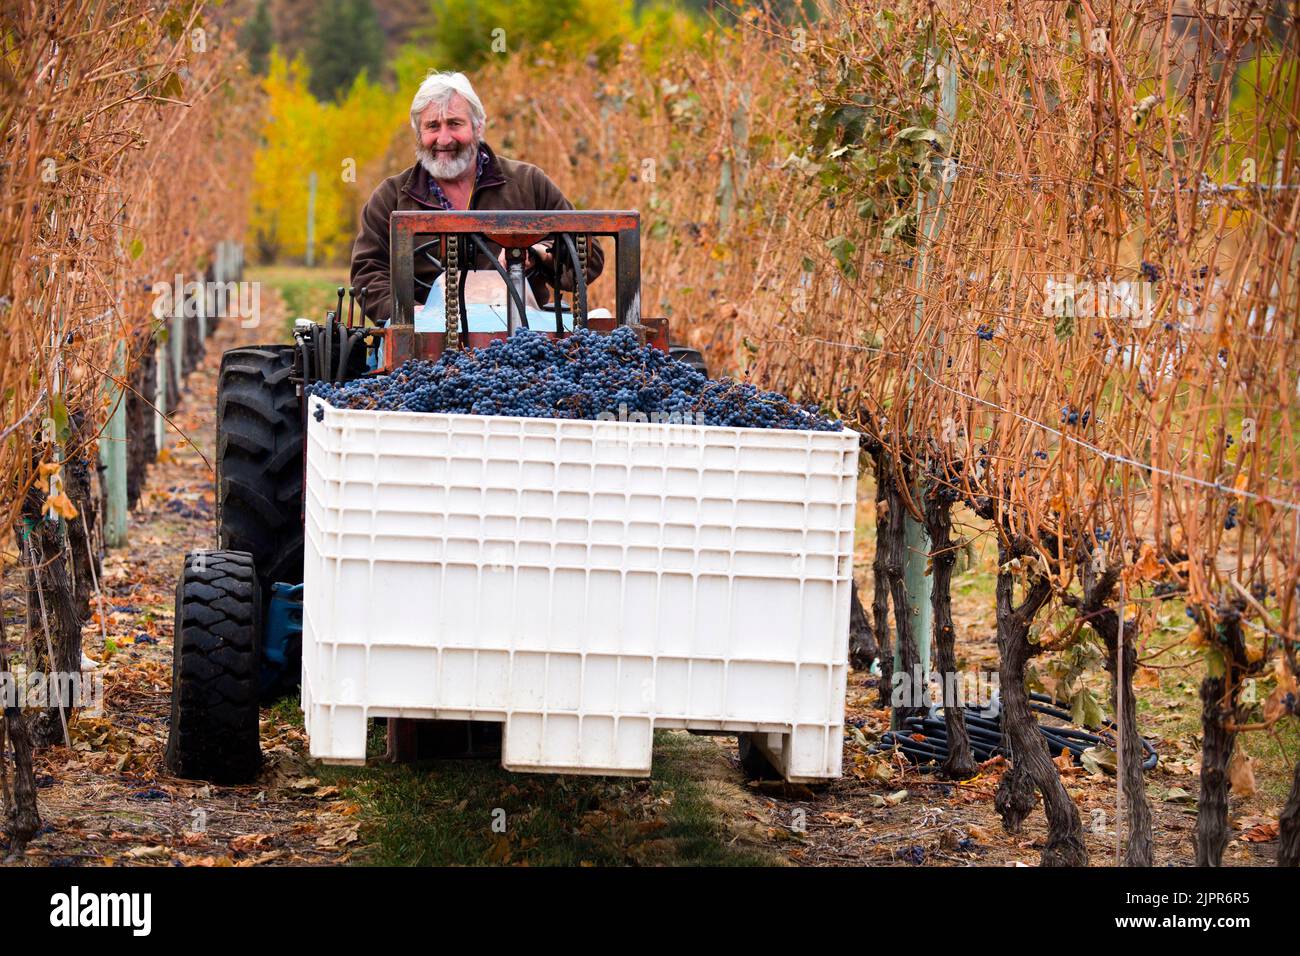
(301,136)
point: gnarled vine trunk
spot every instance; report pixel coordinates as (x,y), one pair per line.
(42,544)
(77,469)
(959,764)
(1219,710)
(22,818)
(1288,845)
(141,450)
(1032,766)
(1104,621)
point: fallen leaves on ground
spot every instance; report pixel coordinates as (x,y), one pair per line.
(108,800)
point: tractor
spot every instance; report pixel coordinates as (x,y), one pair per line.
(238,623)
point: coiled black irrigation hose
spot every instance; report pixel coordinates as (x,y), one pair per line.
(985,734)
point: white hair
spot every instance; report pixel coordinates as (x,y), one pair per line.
(439,88)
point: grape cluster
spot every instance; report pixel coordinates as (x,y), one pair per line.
(1072,416)
(586,375)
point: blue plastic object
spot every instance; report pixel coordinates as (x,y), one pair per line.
(282,635)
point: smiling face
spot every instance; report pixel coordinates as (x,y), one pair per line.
(448,144)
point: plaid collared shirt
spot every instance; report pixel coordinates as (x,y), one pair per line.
(440,197)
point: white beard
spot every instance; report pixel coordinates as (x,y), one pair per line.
(443,166)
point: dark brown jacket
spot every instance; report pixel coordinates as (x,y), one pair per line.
(506,184)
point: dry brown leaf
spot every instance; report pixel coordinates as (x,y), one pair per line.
(500,850)
(1147,678)
(338,836)
(1262,833)
(1276,706)
(1241,773)
(261,858)
(1146,568)
(841,819)
(250,841)
(147,853)
(62,504)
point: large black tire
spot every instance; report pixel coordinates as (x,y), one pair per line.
(215,669)
(259,462)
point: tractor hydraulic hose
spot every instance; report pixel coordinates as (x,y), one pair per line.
(328,362)
(302,359)
(345,351)
(341,331)
(350,339)
(317,353)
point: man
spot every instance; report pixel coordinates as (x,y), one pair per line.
(455,169)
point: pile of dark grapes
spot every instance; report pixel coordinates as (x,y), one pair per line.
(582,376)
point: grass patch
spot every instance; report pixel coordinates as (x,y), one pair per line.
(1173,711)
(453,812)
(288,710)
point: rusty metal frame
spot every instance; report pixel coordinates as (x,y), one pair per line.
(511,229)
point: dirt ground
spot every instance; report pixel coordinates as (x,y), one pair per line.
(883,814)
(109,801)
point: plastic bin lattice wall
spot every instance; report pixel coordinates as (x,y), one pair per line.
(582,581)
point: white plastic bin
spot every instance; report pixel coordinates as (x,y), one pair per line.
(582,582)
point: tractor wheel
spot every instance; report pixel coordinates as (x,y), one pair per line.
(753,764)
(216,662)
(259,462)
